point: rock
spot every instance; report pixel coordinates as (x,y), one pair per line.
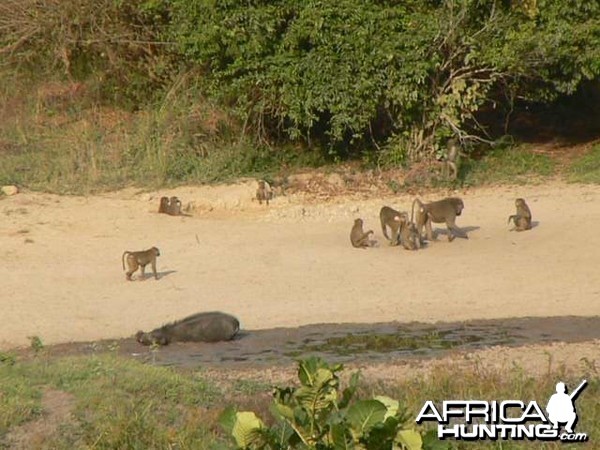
(10,190)
(336,180)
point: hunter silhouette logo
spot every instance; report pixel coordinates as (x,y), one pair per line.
(509,419)
(561,408)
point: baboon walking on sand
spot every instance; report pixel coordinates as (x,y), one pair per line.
(140,259)
(394,220)
(441,211)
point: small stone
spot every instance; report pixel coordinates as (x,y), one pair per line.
(10,190)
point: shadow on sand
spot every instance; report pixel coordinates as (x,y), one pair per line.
(378,342)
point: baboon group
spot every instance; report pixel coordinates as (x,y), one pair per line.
(408,232)
(140,259)
(201,327)
(172,206)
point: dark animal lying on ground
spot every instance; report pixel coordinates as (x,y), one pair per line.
(201,327)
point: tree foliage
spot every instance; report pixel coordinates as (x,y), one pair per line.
(405,72)
(115,41)
(399,76)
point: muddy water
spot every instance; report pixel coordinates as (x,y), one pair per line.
(379,342)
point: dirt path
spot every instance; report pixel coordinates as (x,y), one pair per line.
(288,265)
(57,410)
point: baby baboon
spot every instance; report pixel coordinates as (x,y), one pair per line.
(440,211)
(452,161)
(358,237)
(394,219)
(522,219)
(264,192)
(163,208)
(202,327)
(409,236)
(140,259)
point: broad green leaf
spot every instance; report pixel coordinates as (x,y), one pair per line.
(431,441)
(227,419)
(314,399)
(307,369)
(365,414)
(246,429)
(392,406)
(339,437)
(409,440)
(349,392)
(323,377)
(313,367)
(284,411)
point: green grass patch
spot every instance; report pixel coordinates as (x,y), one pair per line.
(120,403)
(507,165)
(404,341)
(587,168)
(383,343)
(19,400)
(54,138)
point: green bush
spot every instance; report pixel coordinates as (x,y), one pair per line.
(361,72)
(317,415)
(387,80)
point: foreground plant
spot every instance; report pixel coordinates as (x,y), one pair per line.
(317,415)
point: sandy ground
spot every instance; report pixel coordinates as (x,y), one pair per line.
(288,264)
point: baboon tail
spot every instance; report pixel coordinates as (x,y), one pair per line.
(123,258)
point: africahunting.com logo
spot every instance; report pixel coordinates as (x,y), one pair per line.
(471,420)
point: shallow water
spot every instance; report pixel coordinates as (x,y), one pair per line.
(379,342)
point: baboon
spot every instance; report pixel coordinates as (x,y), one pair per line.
(452,160)
(170,206)
(264,192)
(202,327)
(174,206)
(409,236)
(393,219)
(163,208)
(440,211)
(522,219)
(358,237)
(140,259)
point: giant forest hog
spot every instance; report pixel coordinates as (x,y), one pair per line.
(202,327)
